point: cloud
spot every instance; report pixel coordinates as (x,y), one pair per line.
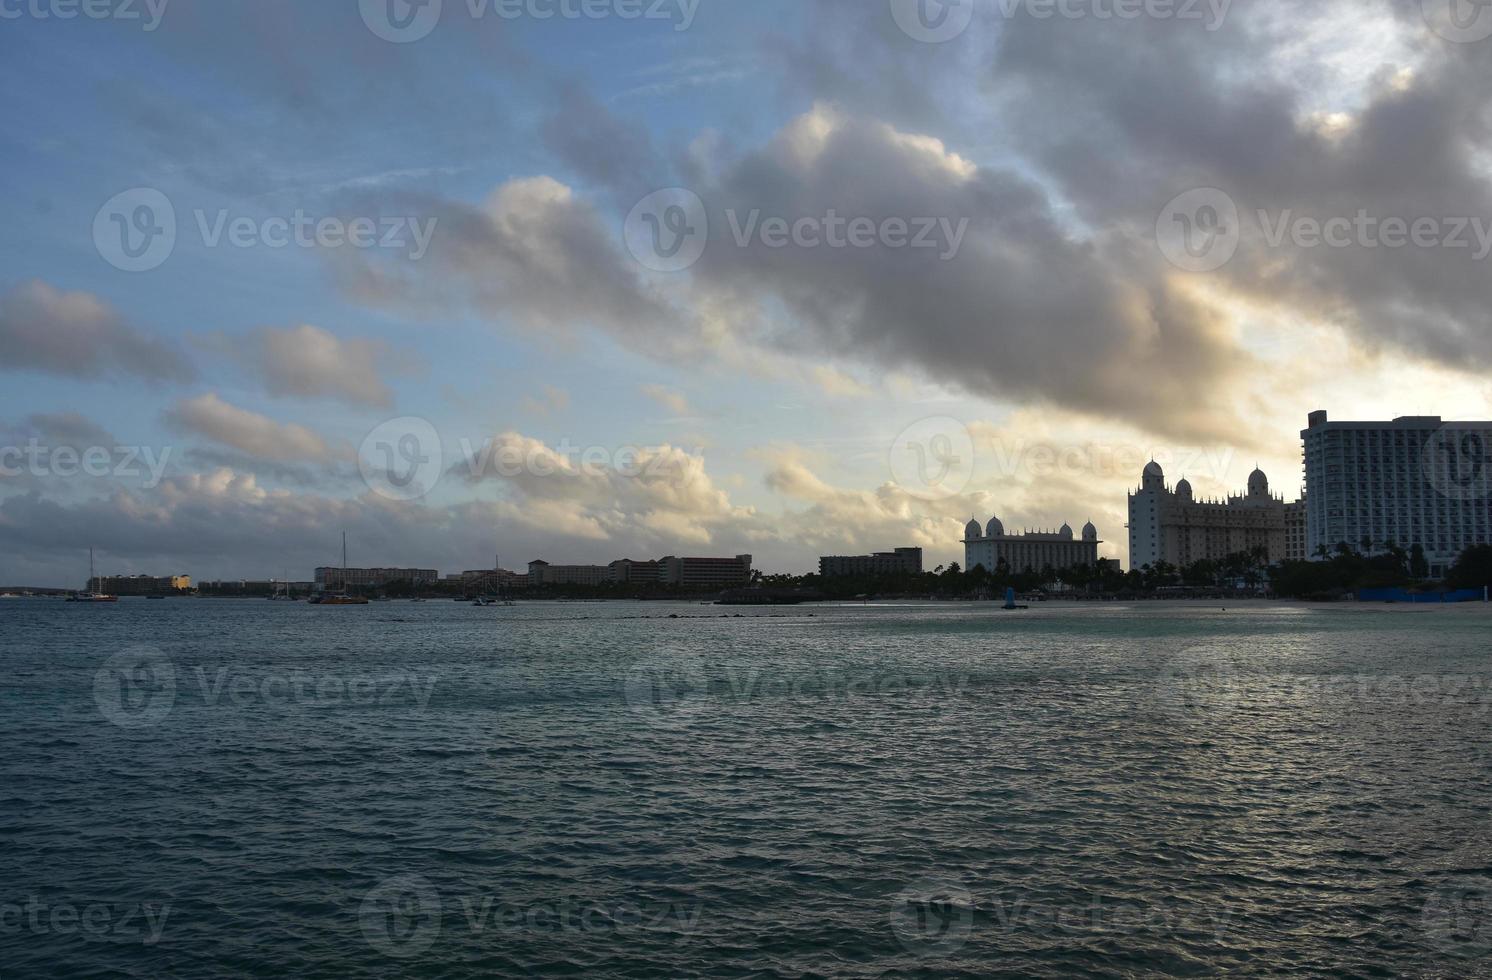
(1025,309)
(533,256)
(672,400)
(64,429)
(549,401)
(258,436)
(661,495)
(78,335)
(309,362)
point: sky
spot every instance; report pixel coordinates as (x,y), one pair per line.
(630,278)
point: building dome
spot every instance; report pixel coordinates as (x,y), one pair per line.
(1258,484)
(1090,533)
(1066,532)
(1154,478)
(996,529)
(1184,489)
(973,531)
(1154,469)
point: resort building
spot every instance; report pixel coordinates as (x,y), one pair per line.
(701,573)
(706,572)
(1296,548)
(902,561)
(1172,526)
(342,579)
(1414,481)
(636,572)
(1031,551)
(137,585)
(541,573)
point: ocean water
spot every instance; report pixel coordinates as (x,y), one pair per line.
(197,788)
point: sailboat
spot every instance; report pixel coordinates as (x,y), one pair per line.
(90,595)
(342,598)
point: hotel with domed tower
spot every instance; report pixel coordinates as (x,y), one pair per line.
(1171,525)
(1032,551)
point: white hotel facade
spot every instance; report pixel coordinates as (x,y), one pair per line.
(1032,551)
(1414,480)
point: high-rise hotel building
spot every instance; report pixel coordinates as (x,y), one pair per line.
(1415,480)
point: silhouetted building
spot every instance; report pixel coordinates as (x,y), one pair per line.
(137,585)
(902,561)
(1417,480)
(339,579)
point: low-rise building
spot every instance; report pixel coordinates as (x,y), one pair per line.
(340,579)
(541,573)
(137,585)
(902,561)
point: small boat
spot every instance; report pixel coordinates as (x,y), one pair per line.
(340,598)
(91,595)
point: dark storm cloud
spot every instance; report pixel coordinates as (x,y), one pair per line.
(1022,309)
(1124,116)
